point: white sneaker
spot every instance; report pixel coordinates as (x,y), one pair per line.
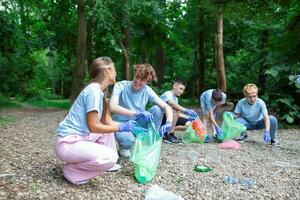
(124,153)
(115,168)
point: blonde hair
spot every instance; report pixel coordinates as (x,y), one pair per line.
(145,72)
(250,88)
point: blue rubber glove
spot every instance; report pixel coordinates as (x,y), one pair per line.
(219,131)
(127,126)
(145,116)
(298,79)
(165,128)
(267,136)
(190,119)
(191,113)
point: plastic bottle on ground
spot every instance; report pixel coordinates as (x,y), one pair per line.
(244,182)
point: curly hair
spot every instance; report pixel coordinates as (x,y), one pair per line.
(145,72)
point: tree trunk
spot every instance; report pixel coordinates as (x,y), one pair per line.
(89,45)
(52,67)
(125,45)
(201,51)
(261,75)
(160,64)
(219,57)
(80,51)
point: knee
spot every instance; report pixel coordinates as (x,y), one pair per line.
(156,111)
(273,120)
(240,120)
(175,114)
(127,142)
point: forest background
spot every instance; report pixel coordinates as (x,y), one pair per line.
(47,45)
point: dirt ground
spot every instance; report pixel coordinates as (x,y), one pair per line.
(29,168)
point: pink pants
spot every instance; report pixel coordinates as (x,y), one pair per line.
(86,157)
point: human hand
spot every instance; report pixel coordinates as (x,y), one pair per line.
(267,136)
(146,116)
(193,114)
(219,131)
(127,126)
(165,128)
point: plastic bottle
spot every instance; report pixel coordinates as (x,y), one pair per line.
(244,182)
(199,129)
(199,168)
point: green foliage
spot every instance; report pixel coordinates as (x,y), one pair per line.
(6,120)
(45,103)
(261,45)
(6,103)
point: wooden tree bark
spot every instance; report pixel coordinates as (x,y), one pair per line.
(201,52)
(89,45)
(52,67)
(125,45)
(261,75)
(160,64)
(219,56)
(80,51)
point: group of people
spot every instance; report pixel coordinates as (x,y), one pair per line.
(86,137)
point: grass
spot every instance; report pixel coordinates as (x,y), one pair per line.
(5,120)
(7,103)
(46,103)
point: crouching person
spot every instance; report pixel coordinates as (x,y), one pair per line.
(85,138)
(252,112)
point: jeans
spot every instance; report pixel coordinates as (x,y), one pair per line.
(126,139)
(261,125)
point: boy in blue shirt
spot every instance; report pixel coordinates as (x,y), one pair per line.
(252,112)
(181,115)
(128,102)
(209,100)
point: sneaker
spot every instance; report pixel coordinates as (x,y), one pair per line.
(124,153)
(115,168)
(242,138)
(82,182)
(172,139)
(207,139)
(275,143)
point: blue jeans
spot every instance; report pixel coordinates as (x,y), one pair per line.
(261,125)
(126,139)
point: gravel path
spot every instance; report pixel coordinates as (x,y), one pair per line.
(27,153)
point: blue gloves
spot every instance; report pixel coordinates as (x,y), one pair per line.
(219,131)
(165,128)
(127,126)
(145,116)
(267,136)
(191,113)
(298,79)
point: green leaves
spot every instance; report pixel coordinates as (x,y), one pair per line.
(272,72)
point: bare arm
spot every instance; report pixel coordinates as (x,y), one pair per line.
(95,127)
(211,117)
(176,106)
(267,122)
(168,110)
(116,108)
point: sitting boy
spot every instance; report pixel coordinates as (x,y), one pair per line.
(180,120)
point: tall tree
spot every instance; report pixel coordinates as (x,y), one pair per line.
(125,45)
(219,55)
(80,51)
(201,51)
